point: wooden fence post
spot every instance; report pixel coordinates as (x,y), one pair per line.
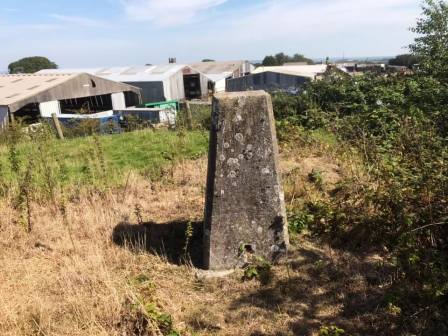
(189,117)
(12,119)
(57,124)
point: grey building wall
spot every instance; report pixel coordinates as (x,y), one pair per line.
(3,117)
(151,91)
(268,81)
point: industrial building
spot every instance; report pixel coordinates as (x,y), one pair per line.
(218,72)
(157,82)
(171,81)
(32,96)
(272,78)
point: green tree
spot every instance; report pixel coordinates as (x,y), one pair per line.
(31,65)
(282,58)
(407,60)
(269,61)
(431,44)
(301,58)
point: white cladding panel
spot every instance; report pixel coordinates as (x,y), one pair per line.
(166,89)
(173,87)
(118,101)
(220,85)
(87,116)
(48,108)
(176,83)
(204,85)
(167,117)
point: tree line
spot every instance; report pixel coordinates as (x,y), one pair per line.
(281,58)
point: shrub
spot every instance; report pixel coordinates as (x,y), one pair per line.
(398,126)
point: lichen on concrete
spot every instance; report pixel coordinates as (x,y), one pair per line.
(245,211)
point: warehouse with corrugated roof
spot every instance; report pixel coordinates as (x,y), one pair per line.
(217,72)
(171,81)
(32,96)
(157,82)
(285,78)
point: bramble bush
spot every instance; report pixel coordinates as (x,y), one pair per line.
(399,126)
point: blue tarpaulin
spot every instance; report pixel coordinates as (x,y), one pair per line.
(107,125)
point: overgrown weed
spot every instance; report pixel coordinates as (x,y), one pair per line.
(394,193)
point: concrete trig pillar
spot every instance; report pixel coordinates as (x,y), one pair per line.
(245,210)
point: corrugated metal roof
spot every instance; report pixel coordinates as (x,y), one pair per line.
(310,71)
(149,73)
(217,67)
(218,77)
(14,88)
(17,91)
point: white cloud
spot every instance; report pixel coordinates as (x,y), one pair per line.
(167,12)
(315,27)
(78,20)
(288,18)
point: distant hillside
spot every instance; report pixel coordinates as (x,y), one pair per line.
(379,59)
(383,59)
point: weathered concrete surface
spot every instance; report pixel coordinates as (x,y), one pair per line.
(245,212)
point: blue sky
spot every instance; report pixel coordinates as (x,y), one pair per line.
(91,33)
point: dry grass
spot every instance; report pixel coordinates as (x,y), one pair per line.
(71,279)
(51,286)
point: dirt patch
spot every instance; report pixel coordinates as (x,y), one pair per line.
(306,167)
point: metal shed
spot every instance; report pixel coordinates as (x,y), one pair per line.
(268,81)
(196,84)
(286,78)
(157,82)
(43,94)
(234,68)
(218,72)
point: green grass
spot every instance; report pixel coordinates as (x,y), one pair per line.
(107,158)
(324,136)
(200,117)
